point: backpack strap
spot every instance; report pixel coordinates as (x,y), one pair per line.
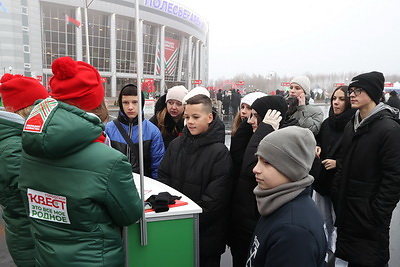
(124,134)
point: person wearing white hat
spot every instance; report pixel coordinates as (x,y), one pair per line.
(245,109)
(196,91)
(307,116)
(169,116)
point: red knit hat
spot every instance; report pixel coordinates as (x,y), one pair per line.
(76,83)
(19,91)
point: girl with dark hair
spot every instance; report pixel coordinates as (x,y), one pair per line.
(329,152)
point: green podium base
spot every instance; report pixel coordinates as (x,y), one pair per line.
(169,243)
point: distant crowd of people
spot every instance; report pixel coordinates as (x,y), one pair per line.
(292,189)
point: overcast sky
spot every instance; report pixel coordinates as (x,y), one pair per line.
(292,37)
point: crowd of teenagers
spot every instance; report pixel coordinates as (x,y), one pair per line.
(293,189)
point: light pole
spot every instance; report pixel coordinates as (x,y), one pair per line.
(273,73)
(87,31)
(268,84)
(10,68)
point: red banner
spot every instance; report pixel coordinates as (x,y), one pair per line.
(171,50)
(197,81)
(148,85)
(338,84)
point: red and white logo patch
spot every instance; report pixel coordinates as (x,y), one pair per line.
(39,114)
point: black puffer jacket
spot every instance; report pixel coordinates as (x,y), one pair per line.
(367,188)
(331,132)
(199,167)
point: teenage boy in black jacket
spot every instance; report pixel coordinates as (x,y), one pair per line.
(198,164)
(366,188)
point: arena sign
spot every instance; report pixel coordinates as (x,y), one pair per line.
(177,11)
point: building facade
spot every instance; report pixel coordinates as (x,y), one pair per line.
(34,33)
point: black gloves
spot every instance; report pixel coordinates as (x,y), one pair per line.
(160,202)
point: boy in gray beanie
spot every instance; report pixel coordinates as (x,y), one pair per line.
(290,231)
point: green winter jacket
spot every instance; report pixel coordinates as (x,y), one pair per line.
(18,234)
(78,192)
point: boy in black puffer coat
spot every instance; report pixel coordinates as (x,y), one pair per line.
(198,164)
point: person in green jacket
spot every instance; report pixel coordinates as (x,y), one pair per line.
(78,191)
(19,94)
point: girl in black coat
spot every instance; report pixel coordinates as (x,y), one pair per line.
(329,151)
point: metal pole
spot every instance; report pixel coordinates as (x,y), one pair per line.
(87,33)
(138,32)
(66,39)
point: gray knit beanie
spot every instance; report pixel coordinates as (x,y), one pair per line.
(304,82)
(290,150)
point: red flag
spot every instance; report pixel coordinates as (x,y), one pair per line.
(69,20)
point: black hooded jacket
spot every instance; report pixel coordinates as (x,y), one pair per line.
(199,167)
(366,188)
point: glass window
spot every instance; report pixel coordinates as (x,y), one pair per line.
(121,82)
(24,10)
(126,45)
(27,49)
(99,40)
(149,48)
(59,38)
(185,59)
